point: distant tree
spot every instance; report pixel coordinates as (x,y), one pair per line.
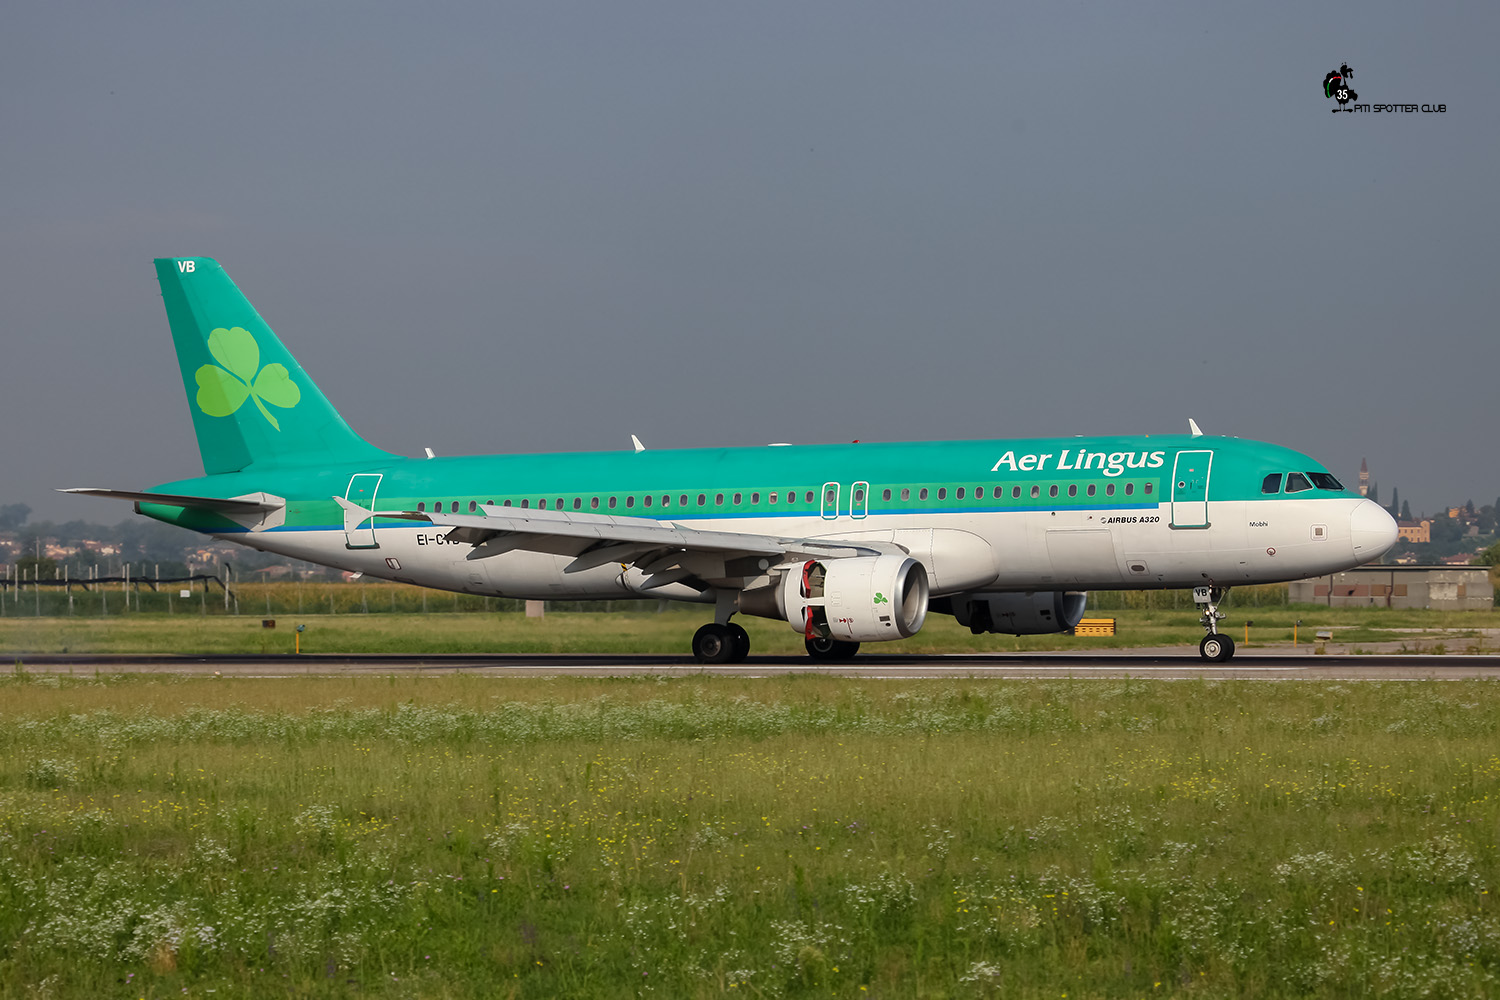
(31,568)
(13,515)
(1469,508)
(1405,511)
(1488,557)
(1375,492)
(1395,506)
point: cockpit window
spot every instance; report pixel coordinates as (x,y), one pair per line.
(1324,481)
(1271,484)
(1296,482)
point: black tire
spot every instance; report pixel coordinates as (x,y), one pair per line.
(831,649)
(713,643)
(741,642)
(1216,648)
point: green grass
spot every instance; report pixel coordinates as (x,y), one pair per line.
(802,836)
(670,632)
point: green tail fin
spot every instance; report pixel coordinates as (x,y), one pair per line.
(251,401)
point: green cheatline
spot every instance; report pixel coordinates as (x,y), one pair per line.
(223,390)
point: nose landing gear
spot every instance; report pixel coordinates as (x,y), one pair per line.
(1216,647)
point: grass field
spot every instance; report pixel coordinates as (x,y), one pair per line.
(671,630)
(803,836)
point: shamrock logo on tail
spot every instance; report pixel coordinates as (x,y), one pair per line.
(223,390)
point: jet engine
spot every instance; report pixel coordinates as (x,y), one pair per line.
(857,599)
(1040,612)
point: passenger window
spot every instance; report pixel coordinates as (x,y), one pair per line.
(421,507)
(831,497)
(559,503)
(630,501)
(1052,490)
(702,499)
(593,503)
(1109,490)
(1296,482)
(922,495)
(979,493)
(755,498)
(666,500)
(809,496)
(942,492)
(885,494)
(719,499)
(1036,491)
(1129,488)
(959,493)
(578,503)
(1092,489)
(738,499)
(1015,492)
(473,506)
(1271,484)
(1147,489)
(611,503)
(646,500)
(771,497)
(507,503)
(905,493)
(1072,489)
(1324,481)
(541,504)
(525,503)
(682,500)
(453,507)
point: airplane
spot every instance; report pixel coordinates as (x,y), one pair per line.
(847,544)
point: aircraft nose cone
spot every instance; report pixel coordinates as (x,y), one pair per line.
(1372,531)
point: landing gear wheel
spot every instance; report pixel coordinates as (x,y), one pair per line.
(831,649)
(714,643)
(1216,648)
(740,640)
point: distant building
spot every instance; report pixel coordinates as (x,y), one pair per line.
(1449,588)
(1364,478)
(1414,531)
(1455,512)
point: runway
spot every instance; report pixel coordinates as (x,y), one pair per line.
(1158,664)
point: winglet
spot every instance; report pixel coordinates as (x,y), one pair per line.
(1193,426)
(637,442)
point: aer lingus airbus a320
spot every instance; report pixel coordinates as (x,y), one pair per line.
(845,543)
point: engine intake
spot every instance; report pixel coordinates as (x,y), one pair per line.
(1040,612)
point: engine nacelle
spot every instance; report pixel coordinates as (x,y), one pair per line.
(858,599)
(1040,612)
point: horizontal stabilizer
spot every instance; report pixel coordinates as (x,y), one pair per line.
(258,503)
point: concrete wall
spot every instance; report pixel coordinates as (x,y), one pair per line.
(1449,588)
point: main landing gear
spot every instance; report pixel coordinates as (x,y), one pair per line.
(1216,646)
(716,643)
(831,649)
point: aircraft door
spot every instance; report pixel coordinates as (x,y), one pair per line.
(1190,489)
(359,533)
(830,501)
(859,500)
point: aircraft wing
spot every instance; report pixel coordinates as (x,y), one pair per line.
(666,551)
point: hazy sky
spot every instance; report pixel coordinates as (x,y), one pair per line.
(545,226)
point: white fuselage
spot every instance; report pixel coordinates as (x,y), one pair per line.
(1264,541)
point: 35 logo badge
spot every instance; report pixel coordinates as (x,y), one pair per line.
(1336,86)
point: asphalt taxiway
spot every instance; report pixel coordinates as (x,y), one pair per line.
(1163,665)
